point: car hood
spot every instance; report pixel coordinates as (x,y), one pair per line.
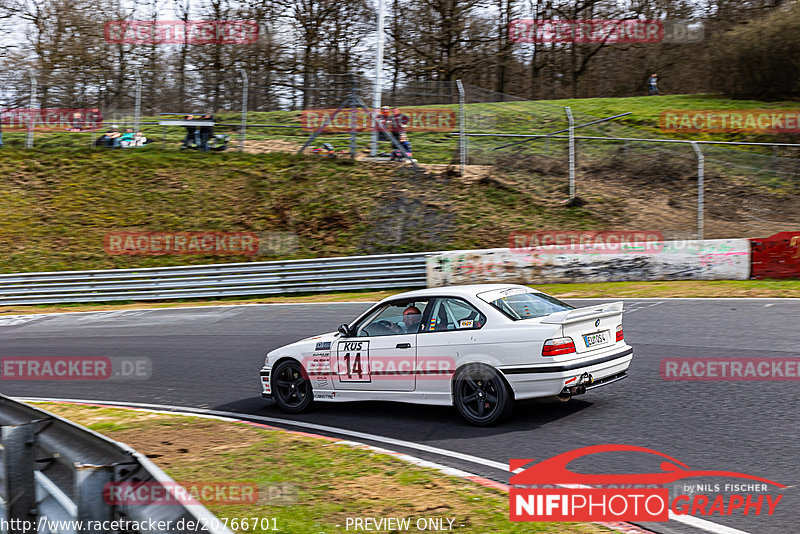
(318,343)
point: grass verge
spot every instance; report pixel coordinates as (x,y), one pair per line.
(321,483)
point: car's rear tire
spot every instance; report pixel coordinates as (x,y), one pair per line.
(291,387)
(481,396)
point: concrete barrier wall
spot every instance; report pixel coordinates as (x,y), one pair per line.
(714,259)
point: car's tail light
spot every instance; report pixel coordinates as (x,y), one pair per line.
(558,346)
(619,333)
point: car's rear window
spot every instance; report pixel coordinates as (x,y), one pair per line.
(519,303)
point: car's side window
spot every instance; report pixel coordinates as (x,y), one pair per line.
(401,317)
(450,313)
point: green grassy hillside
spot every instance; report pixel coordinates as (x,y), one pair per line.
(58,205)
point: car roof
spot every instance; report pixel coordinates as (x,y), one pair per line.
(470,290)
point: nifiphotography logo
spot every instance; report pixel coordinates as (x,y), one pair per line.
(548,491)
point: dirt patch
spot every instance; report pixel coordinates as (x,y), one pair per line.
(188,441)
(472,173)
(404,221)
(271,145)
(437,495)
(530,164)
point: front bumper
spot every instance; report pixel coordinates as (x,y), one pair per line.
(550,379)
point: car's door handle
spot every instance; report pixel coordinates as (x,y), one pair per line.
(403,346)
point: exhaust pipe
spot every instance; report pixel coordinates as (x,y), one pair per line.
(579,389)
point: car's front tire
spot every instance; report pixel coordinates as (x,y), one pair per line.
(481,396)
(291,387)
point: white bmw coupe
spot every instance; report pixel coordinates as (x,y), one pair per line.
(478,347)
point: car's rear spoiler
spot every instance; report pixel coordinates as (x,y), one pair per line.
(581,314)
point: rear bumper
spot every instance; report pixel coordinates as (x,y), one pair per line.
(607,380)
(550,379)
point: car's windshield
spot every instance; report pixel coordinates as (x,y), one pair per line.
(520,303)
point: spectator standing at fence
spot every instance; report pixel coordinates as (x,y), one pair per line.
(191,133)
(384,124)
(652,84)
(206,132)
(398,125)
(1,132)
(76,122)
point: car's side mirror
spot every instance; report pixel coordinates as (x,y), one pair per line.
(345,330)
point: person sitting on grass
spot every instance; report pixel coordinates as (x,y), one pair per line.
(126,139)
(110,139)
(139,139)
(405,143)
(131,140)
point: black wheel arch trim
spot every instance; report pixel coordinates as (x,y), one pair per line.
(566,366)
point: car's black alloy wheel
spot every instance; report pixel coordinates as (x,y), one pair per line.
(481,395)
(291,387)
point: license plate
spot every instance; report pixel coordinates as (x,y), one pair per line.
(599,338)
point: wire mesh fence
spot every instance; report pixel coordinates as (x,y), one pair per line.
(748,190)
(50,110)
(636,174)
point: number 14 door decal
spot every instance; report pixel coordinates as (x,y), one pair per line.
(352,361)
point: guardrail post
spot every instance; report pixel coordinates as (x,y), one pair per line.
(700,188)
(20,489)
(90,481)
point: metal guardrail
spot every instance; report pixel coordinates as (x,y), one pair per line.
(218,280)
(54,473)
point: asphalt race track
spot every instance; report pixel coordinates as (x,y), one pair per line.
(209,357)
